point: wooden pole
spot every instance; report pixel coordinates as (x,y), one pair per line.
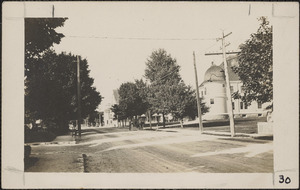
(197,94)
(78,96)
(228,93)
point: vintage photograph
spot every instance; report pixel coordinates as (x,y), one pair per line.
(149,88)
(133,92)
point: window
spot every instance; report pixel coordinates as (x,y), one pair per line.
(231,89)
(246,106)
(243,89)
(212,101)
(232,105)
(259,105)
(241,105)
(201,93)
(223,85)
(205,91)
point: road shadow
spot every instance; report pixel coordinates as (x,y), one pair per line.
(248,140)
(92,131)
(268,138)
(29,162)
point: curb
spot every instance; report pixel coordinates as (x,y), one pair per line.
(254,136)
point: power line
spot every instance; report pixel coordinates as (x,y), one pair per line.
(135,38)
(163,77)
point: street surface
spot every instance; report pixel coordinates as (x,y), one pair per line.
(118,150)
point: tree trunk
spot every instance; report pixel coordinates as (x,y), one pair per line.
(150,119)
(164,121)
(181,123)
(130,124)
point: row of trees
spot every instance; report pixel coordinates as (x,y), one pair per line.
(164,92)
(50,78)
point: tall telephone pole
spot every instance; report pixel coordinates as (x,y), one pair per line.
(197,93)
(228,93)
(78,96)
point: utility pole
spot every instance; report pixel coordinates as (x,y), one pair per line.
(78,96)
(52,11)
(197,94)
(228,93)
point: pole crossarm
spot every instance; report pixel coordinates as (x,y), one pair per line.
(227,35)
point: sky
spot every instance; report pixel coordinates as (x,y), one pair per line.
(117,38)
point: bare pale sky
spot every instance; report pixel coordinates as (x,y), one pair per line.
(117,37)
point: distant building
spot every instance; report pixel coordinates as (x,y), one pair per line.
(108,115)
(213,92)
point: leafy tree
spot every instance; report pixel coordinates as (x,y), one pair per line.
(52,91)
(40,35)
(143,91)
(183,102)
(119,113)
(131,103)
(51,83)
(255,67)
(168,93)
(93,118)
(163,72)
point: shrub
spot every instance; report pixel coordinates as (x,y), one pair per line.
(27,151)
(39,136)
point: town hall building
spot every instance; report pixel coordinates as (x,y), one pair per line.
(213,92)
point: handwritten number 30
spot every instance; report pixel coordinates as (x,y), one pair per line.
(286,180)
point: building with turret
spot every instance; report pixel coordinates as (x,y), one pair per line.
(213,92)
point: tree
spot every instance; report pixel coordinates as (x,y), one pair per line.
(163,72)
(183,102)
(50,83)
(131,103)
(168,93)
(255,67)
(143,91)
(51,91)
(119,113)
(93,118)
(40,35)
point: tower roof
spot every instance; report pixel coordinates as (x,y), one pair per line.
(214,73)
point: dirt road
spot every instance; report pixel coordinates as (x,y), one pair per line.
(112,150)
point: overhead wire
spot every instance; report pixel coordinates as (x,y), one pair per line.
(141,38)
(163,77)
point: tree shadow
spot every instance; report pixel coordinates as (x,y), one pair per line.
(29,162)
